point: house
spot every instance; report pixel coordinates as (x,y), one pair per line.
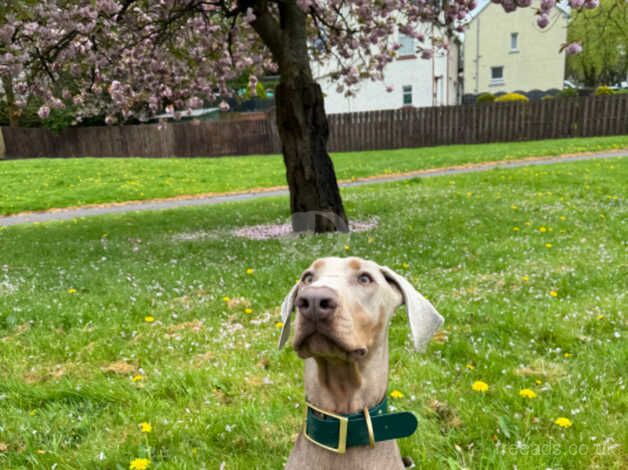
(414,82)
(506,52)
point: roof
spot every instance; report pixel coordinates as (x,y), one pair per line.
(563,6)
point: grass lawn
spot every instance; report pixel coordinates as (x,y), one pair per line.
(109,322)
(52,183)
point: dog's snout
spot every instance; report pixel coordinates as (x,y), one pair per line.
(317,303)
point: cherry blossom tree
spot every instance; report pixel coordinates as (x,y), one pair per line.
(135,58)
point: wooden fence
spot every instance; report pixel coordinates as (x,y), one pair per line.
(373,130)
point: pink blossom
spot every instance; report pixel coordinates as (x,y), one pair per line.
(573,48)
(542,21)
(43,112)
(250,16)
(224,106)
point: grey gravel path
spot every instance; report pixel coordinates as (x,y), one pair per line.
(67,214)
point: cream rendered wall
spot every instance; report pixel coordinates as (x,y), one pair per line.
(537,64)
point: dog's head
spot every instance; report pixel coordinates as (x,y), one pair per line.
(343,307)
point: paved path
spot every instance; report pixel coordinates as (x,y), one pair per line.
(73,213)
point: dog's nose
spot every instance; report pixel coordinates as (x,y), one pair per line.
(317,303)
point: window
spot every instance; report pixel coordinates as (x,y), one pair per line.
(407,94)
(514,41)
(497,75)
(407,45)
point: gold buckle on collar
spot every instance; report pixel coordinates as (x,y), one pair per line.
(343,425)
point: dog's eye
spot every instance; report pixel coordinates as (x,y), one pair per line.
(365,279)
(307,278)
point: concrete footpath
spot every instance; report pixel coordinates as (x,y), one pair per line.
(120,208)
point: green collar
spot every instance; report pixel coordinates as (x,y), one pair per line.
(336,432)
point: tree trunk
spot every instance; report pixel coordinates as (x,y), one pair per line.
(12,110)
(315,200)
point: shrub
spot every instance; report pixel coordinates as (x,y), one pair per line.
(548,97)
(603,90)
(568,93)
(511,97)
(485,98)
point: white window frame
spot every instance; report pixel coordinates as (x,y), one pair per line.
(514,38)
(493,79)
(407,46)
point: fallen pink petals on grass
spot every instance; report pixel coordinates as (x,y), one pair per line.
(271,231)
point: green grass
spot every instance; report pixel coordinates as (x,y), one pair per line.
(54,183)
(214,387)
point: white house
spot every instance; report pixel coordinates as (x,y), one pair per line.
(414,81)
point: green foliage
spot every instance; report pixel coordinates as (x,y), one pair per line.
(604,37)
(74,296)
(509,97)
(485,98)
(38,184)
(604,90)
(547,97)
(568,93)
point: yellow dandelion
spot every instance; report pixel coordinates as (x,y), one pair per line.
(250,271)
(139,464)
(347,247)
(479,386)
(41,451)
(542,229)
(32,412)
(226,299)
(567,355)
(515,229)
(137,378)
(71,291)
(563,422)
(279,325)
(470,366)
(248,311)
(548,245)
(396,394)
(562,217)
(525,278)
(405,265)
(527,393)
(146,427)
(149,319)
(600,317)
(553,293)
(514,207)
(538,382)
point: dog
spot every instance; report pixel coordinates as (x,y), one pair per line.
(343,309)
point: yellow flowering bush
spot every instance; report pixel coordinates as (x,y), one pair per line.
(604,90)
(508,97)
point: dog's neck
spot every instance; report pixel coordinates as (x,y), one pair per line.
(346,386)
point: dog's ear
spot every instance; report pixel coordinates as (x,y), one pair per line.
(423,318)
(287,306)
